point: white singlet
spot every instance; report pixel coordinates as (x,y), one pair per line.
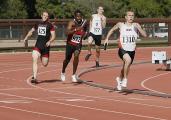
(128,37)
(96,26)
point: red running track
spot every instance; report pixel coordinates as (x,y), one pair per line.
(54,100)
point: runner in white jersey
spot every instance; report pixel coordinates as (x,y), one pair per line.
(128,36)
(97,23)
(127,45)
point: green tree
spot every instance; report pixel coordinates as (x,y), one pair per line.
(149,8)
(59,8)
(12,9)
(165,6)
(119,8)
(30,8)
(65,8)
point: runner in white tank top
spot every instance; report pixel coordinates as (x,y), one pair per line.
(128,37)
(127,44)
(97,23)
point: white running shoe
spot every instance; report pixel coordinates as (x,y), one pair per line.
(74,78)
(62,77)
(119,82)
(124,82)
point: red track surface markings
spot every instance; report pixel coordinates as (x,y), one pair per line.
(54,100)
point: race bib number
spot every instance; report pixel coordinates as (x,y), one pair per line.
(42,31)
(128,39)
(97,30)
(76,38)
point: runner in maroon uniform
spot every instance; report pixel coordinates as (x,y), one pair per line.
(76,30)
(46,34)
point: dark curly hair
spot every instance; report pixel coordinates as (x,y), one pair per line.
(77,11)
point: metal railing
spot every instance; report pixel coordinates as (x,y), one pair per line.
(16,29)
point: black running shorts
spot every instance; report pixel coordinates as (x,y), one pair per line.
(121,53)
(96,38)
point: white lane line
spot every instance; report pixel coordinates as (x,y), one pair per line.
(20,64)
(141,99)
(9,89)
(22,69)
(152,77)
(78,100)
(14,70)
(15,101)
(40,113)
(70,99)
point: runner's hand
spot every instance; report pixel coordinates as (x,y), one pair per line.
(103,18)
(25,43)
(106,41)
(48,43)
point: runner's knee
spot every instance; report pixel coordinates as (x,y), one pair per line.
(76,53)
(128,61)
(98,49)
(45,64)
(35,59)
(90,39)
(45,61)
(35,54)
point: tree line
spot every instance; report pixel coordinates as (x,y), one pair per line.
(31,9)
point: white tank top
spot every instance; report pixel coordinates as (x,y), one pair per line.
(128,37)
(96,26)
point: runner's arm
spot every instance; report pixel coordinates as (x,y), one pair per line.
(86,30)
(29,34)
(115,27)
(52,38)
(103,21)
(70,29)
(142,32)
(90,23)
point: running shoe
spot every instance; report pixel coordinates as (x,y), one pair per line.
(33,80)
(87,57)
(97,64)
(62,77)
(124,83)
(74,78)
(119,82)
